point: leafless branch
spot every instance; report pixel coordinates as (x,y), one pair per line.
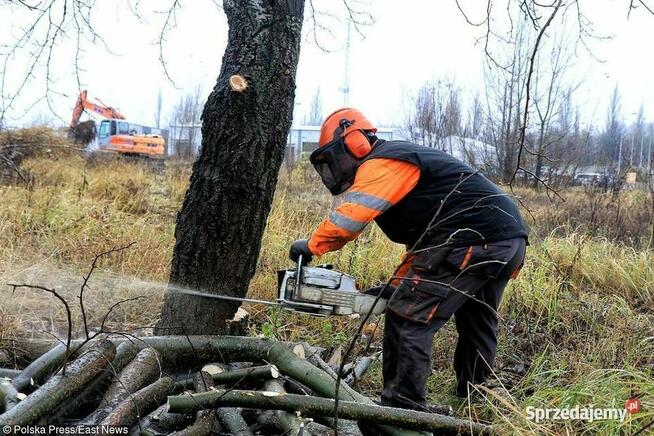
(532,62)
(170,22)
(86,278)
(68,314)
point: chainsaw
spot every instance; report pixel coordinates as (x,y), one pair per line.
(320,290)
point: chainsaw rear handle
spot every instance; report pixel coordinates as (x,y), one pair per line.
(301,247)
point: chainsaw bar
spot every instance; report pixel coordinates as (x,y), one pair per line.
(223,297)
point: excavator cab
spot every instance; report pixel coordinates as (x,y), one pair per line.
(104,132)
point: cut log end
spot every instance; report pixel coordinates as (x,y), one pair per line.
(212,369)
(298,350)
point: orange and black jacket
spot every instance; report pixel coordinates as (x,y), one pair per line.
(407,188)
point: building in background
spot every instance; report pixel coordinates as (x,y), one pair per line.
(184,140)
(478,154)
(302,140)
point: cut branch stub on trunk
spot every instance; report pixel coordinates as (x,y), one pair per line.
(60,387)
(311,406)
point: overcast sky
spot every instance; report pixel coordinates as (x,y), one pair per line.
(410,42)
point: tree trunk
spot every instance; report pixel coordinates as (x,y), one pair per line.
(244,133)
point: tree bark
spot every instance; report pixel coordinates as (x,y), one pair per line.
(60,387)
(140,403)
(244,132)
(9,372)
(230,418)
(93,392)
(285,422)
(237,376)
(140,372)
(160,422)
(232,421)
(36,371)
(311,406)
(9,396)
(184,350)
(205,419)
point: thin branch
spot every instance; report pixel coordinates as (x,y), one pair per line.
(86,278)
(169,23)
(68,314)
(532,61)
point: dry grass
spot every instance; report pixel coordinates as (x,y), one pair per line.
(576,326)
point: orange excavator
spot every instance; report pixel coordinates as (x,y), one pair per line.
(114,134)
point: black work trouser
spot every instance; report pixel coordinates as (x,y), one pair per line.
(466,282)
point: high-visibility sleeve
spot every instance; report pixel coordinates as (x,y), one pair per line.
(378,185)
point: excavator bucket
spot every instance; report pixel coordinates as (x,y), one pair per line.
(84,133)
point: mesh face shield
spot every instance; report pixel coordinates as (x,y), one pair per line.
(335,165)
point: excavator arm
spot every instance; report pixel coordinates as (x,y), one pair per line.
(101,109)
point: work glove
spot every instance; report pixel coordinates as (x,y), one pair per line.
(300,247)
(386,291)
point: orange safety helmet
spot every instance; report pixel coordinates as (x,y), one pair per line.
(350,125)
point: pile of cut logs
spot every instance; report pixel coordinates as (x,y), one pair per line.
(201,385)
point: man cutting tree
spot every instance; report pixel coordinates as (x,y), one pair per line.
(465,239)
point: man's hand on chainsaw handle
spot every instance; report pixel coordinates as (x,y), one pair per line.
(301,247)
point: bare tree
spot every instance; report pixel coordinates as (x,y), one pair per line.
(315,115)
(552,99)
(157,114)
(505,78)
(475,124)
(184,137)
(434,113)
(637,135)
(612,136)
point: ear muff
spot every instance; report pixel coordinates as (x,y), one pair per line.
(357,143)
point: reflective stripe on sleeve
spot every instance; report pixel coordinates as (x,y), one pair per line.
(367,200)
(346,223)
